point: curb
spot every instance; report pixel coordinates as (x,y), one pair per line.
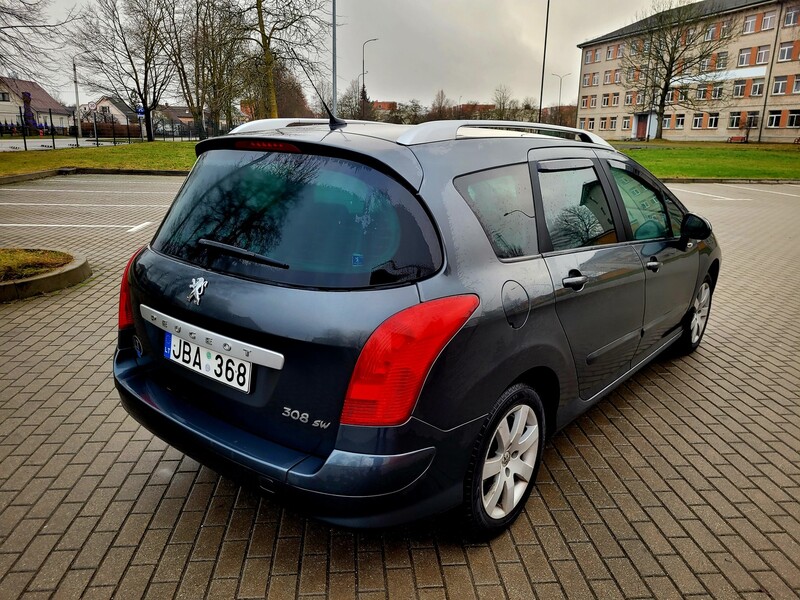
(723,180)
(68,275)
(6,179)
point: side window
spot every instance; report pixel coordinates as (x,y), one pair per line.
(675,217)
(502,200)
(576,209)
(643,204)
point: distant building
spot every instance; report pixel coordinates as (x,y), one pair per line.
(758,74)
(473,110)
(11,91)
(109,108)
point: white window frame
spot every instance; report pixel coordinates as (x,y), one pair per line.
(680,121)
(768,21)
(785,51)
(666,122)
(581,123)
(713,121)
(796,87)
(739,86)
(595,78)
(722,61)
(618,76)
(605,100)
(753,118)
(586,77)
(779,85)
(716,92)
(590,124)
(749,24)
(587,57)
(606,77)
(612,123)
(774,119)
(710,31)
(700,92)
(584,101)
(603,123)
(794,119)
(745,54)
(597,55)
(610,53)
(762,56)
(697,121)
(615,99)
(626,123)
(593,101)
(628,98)
(734,120)
(757,88)
(792,16)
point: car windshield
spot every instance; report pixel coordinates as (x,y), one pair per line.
(299,219)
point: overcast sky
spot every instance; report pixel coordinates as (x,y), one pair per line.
(465,47)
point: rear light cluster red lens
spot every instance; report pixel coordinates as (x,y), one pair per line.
(397,358)
(125,304)
(266,146)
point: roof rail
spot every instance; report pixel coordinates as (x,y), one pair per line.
(262,124)
(440,131)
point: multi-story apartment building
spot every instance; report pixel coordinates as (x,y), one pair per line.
(748,88)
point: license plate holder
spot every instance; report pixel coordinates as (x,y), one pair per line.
(215,365)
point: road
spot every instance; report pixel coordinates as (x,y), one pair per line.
(684,482)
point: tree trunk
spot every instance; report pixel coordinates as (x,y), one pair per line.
(200,127)
(148,123)
(267,105)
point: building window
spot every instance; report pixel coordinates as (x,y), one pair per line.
(615,99)
(5,97)
(581,123)
(779,85)
(796,88)
(757,89)
(745,54)
(628,98)
(710,33)
(774,119)
(607,77)
(603,123)
(593,102)
(666,122)
(762,57)
(631,74)
(752,118)
(587,58)
(679,121)
(700,94)
(725,29)
(683,94)
(626,123)
(620,50)
(734,120)
(610,53)
(738,88)
(697,121)
(705,65)
(713,120)
(794,118)
(591,124)
(595,78)
(716,92)
(612,123)
(605,100)
(768,22)
(596,55)
(722,61)
(792,16)
(749,24)
(785,51)
(584,101)
(617,76)
(586,79)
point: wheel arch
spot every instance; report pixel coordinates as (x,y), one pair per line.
(545,383)
(713,271)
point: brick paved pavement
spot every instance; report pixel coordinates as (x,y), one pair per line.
(685,482)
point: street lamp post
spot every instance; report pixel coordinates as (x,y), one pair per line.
(560,81)
(363,73)
(544,60)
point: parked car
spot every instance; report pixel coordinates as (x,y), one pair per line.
(384,322)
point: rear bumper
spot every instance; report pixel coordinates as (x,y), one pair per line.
(347,488)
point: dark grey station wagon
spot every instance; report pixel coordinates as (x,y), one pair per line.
(384,322)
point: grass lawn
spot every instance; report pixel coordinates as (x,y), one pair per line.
(169,156)
(17,263)
(712,159)
(664,159)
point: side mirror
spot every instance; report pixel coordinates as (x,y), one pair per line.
(694,227)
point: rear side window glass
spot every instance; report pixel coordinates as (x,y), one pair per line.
(675,217)
(646,213)
(310,221)
(503,202)
(576,209)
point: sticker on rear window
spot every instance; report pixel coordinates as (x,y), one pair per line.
(358,260)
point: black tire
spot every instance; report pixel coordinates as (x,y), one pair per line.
(517,468)
(695,321)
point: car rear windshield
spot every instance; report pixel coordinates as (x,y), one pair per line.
(301,220)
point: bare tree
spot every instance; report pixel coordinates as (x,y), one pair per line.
(281,25)
(441,107)
(349,104)
(679,49)
(123,53)
(27,41)
(502,102)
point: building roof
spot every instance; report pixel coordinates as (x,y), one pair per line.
(119,105)
(706,8)
(41,101)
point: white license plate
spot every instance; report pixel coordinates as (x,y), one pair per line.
(215,365)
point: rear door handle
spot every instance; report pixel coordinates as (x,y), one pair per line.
(654,264)
(576,281)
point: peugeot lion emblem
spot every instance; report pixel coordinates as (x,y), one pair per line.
(197,288)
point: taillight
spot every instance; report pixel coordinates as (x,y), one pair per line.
(266,146)
(125,305)
(397,357)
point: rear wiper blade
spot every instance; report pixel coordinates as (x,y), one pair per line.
(241,252)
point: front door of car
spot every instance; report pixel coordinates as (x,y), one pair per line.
(598,282)
(654,221)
